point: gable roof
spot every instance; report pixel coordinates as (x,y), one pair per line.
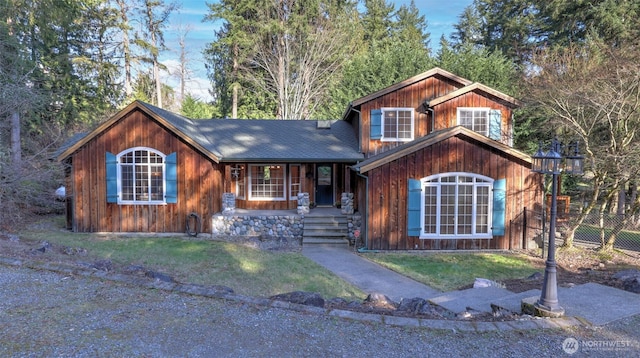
(409,81)
(246,140)
(476,86)
(176,124)
(433,138)
(432,72)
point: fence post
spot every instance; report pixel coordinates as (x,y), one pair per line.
(524,229)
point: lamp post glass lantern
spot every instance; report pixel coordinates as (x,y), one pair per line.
(551,163)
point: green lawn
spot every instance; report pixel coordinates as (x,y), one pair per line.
(260,273)
(449,271)
(593,232)
(246,270)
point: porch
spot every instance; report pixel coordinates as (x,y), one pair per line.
(286,229)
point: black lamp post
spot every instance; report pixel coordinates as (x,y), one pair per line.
(551,163)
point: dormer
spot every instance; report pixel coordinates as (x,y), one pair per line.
(431,101)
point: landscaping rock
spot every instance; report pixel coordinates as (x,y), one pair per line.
(159,276)
(483,283)
(380,300)
(103,265)
(630,280)
(72,251)
(535,276)
(302,298)
(632,285)
(626,275)
(412,305)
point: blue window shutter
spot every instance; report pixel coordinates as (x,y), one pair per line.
(414,211)
(112,178)
(376,123)
(499,206)
(495,124)
(171,178)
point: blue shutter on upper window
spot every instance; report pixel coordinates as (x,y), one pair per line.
(495,124)
(414,210)
(112,178)
(499,207)
(376,124)
(171,178)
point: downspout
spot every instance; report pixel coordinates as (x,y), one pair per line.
(364,221)
(433,118)
(366,180)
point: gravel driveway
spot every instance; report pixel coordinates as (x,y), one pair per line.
(49,314)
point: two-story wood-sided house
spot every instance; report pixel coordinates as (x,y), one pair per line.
(440,171)
(429,161)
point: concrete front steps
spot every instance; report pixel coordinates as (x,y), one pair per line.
(485,299)
(325,228)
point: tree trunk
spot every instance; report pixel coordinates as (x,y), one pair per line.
(126,50)
(234,86)
(570,232)
(16,149)
(622,199)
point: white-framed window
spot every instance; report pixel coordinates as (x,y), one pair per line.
(141,176)
(474,118)
(238,175)
(266,182)
(456,205)
(397,124)
(295,181)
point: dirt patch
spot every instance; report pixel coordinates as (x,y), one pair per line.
(577,266)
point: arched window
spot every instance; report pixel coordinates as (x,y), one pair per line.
(141,176)
(456,205)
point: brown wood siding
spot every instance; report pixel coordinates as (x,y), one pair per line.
(446,114)
(412,96)
(199,182)
(387,208)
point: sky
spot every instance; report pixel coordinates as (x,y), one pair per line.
(440,15)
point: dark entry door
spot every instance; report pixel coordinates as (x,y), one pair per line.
(324,185)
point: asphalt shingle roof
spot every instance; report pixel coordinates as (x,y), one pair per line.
(269,140)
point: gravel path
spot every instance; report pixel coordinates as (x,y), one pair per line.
(49,314)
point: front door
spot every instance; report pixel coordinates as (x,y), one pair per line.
(324,185)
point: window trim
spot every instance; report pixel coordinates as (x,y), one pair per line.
(242,178)
(293,196)
(119,165)
(487,112)
(428,182)
(384,138)
(284,182)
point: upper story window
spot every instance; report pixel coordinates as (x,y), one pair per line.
(141,176)
(476,119)
(485,121)
(392,124)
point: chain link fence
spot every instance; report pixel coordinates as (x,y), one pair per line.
(530,230)
(598,229)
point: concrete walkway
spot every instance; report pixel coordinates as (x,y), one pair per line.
(366,275)
(591,303)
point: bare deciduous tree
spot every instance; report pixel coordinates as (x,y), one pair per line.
(297,56)
(593,93)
